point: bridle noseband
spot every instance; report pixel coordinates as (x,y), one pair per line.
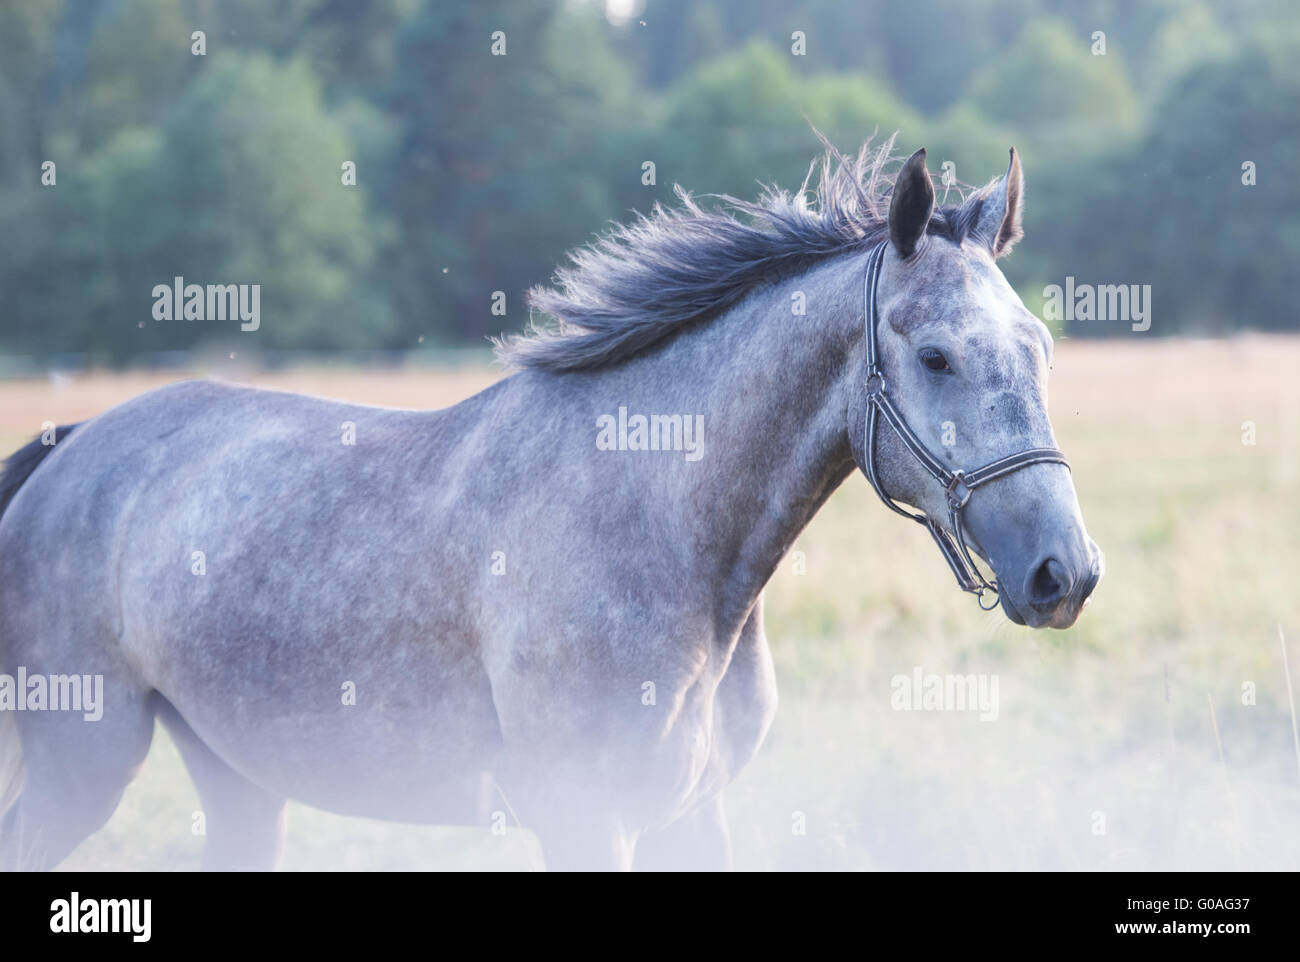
(958,485)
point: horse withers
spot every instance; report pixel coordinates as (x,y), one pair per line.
(368,609)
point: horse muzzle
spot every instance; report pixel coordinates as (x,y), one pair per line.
(1055,592)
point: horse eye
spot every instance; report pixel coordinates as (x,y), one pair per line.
(934,360)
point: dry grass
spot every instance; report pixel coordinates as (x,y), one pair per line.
(1104,725)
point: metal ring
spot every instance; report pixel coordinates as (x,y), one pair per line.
(879,387)
(954,502)
(979,597)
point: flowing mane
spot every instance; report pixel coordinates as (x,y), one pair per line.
(640,282)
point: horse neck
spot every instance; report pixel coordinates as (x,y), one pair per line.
(776,390)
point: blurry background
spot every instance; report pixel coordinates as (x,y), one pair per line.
(475,173)
(1157,733)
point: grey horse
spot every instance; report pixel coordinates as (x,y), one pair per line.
(546,600)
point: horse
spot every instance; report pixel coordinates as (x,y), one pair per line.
(555,587)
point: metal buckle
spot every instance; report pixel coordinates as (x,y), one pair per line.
(956,500)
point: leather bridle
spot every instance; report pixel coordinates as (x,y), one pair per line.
(957,485)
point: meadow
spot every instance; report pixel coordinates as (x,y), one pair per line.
(1157,733)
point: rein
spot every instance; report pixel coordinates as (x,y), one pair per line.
(957,485)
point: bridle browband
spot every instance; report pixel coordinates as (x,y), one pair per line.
(957,485)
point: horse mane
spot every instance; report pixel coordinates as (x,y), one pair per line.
(640,282)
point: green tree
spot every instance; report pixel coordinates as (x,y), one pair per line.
(744,119)
(1055,91)
(506,160)
(1171,209)
(254,160)
(27,40)
(242,184)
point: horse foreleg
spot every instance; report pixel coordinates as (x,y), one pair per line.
(699,841)
(583,842)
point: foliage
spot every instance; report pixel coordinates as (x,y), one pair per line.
(475,172)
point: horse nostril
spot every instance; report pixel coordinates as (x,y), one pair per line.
(1049,583)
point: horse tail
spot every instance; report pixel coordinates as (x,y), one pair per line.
(18,467)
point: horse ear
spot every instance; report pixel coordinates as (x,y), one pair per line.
(911,206)
(998,226)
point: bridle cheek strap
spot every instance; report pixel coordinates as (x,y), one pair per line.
(957,485)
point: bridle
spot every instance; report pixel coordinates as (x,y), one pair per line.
(957,485)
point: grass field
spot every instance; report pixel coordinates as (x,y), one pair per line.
(1123,743)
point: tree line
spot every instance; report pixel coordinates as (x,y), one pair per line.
(396,174)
